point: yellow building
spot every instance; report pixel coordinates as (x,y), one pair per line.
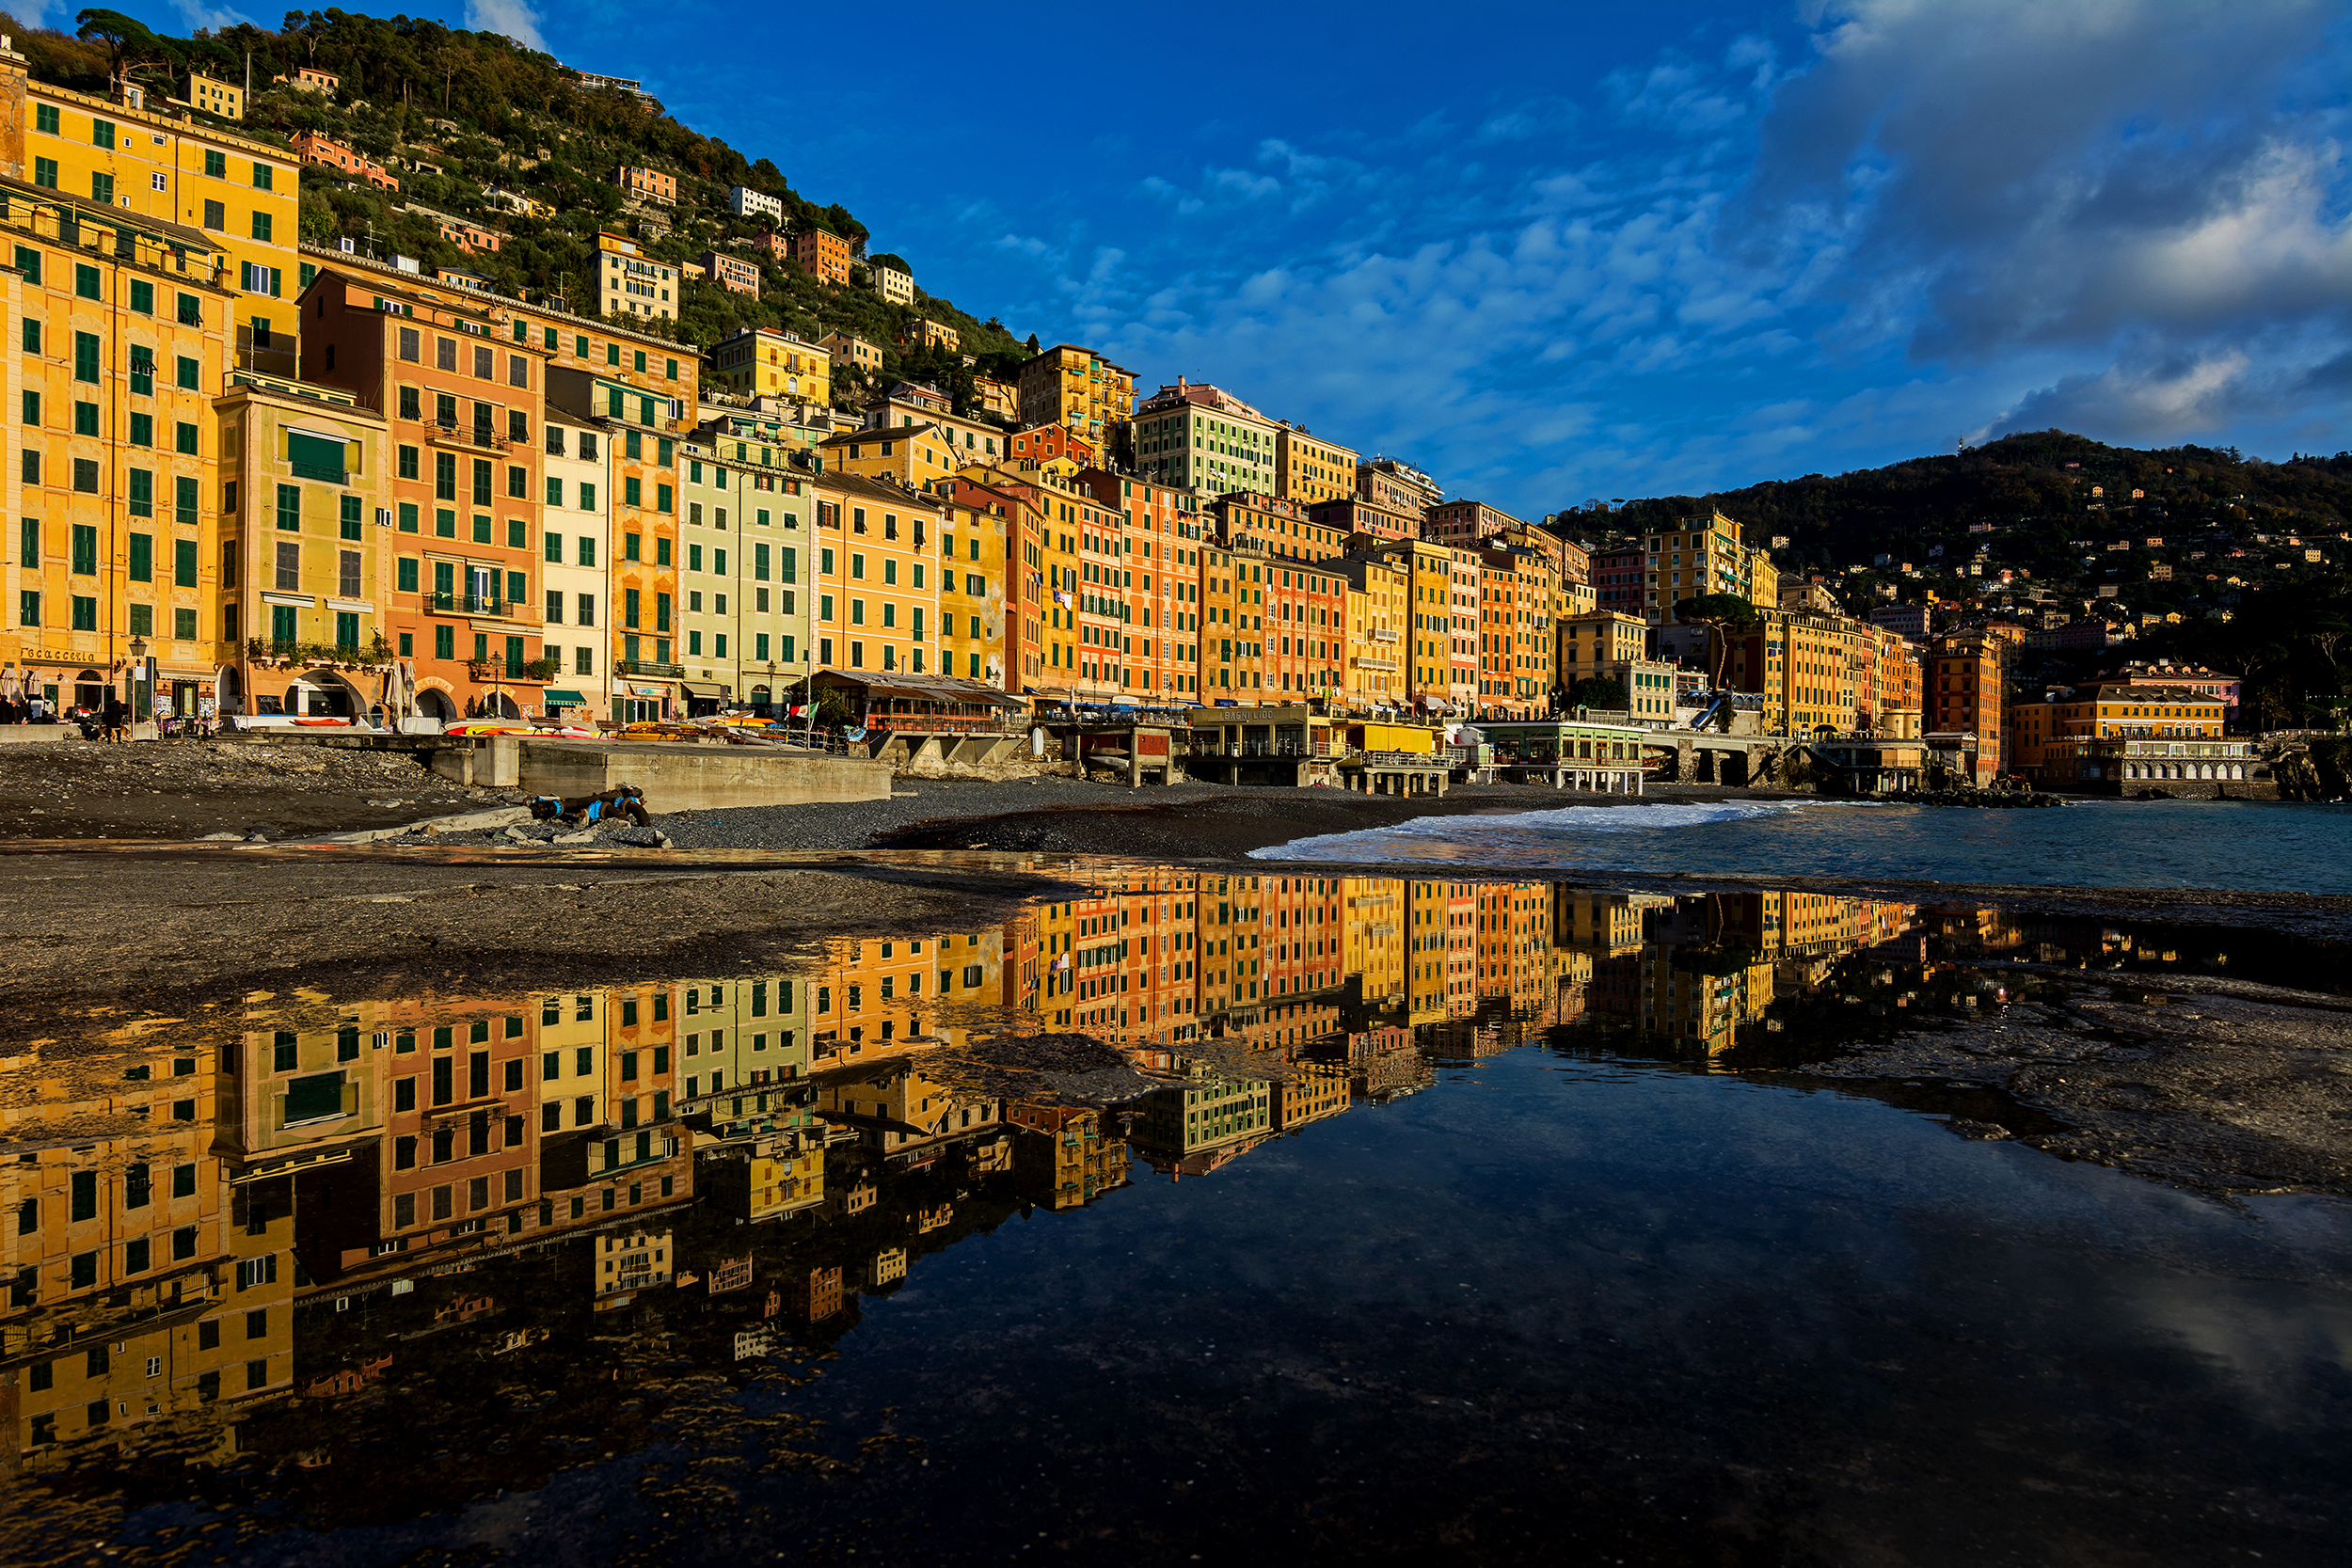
(877,577)
(240,194)
(763,362)
(121,328)
(221,99)
(922,333)
(1378,593)
(1704,556)
(974,534)
(631,284)
(305,564)
(1307,469)
(1078,389)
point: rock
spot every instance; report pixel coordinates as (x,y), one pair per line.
(516,835)
(1978,1131)
(221,838)
(473,821)
(585,835)
(640,838)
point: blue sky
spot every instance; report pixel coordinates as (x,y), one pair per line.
(1556,252)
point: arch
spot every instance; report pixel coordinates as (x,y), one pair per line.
(321,690)
(228,690)
(434,700)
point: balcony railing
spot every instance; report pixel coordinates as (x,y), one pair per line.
(472,438)
(484,603)
(646,666)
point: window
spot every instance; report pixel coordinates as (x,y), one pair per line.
(184,559)
(262,226)
(215,213)
(101,189)
(260,180)
(190,373)
(184,439)
(45,121)
(290,507)
(288,569)
(348,521)
(86,350)
(86,281)
(45,173)
(142,492)
(85,549)
(142,567)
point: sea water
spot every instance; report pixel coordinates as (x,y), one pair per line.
(2207,844)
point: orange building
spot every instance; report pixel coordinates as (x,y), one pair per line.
(822,253)
(466,413)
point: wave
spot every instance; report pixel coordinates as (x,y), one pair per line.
(1467,830)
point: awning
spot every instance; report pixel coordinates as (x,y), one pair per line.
(703,688)
(929,689)
(567,699)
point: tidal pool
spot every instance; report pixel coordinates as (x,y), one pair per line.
(1269,1217)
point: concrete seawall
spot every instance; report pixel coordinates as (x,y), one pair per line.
(674,777)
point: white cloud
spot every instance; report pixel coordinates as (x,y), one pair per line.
(514,18)
(194,14)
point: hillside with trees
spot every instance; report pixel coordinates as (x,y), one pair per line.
(458,117)
(2039,489)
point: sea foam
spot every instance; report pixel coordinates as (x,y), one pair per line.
(1413,839)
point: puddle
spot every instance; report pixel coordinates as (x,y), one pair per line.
(1348,1218)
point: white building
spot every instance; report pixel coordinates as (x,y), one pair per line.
(578,546)
(745,202)
(893,285)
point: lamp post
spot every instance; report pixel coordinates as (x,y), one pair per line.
(138,658)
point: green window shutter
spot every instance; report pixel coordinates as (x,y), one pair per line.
(790,565)
(142,557)
(316,457)
(190,373)
(142,492)
(184,562)
(314,1097)
(408,517)
(290,506)
(86,357)
(759,563)
(407,574)
(351,517)
(555,549)
(444,578)
(85,562)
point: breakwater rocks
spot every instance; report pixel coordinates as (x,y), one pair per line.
(2005,800)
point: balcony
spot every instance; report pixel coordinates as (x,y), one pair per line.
(484,605)
(649,669)
(1384,634)
(535,670)
(1386,666)
(472,438)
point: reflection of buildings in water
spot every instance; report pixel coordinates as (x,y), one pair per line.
(142,1285)
(630,1259)
(904,1116)
(369,1156)
(1183,1125)
(1061,1157)
(873,999)
(1313,1091)
(1375,915)
(1705,966)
